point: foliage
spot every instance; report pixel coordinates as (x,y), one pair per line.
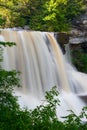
(2,21)
(8,79)
(15,12)
(61,13)
(1,48)
(74,8)
(7,43)
(43,117)
(47,15)
(74,122)
(1,57)
(8,105)
(79,59)
(55,13)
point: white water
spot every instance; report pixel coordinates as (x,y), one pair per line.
(42,65)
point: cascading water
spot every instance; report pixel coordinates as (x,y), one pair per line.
(42,65)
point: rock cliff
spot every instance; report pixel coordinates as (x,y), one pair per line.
(78,34)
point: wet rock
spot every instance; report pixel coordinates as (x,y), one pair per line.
(84,98)
(26,27)
(62,38)
(78,34)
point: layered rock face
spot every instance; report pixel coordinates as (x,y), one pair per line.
(78,34)
(77,37)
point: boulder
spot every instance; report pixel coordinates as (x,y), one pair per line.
(62,38)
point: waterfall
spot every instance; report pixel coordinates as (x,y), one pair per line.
(39,58)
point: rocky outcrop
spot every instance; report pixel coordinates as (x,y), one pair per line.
(62,38)
(78,34)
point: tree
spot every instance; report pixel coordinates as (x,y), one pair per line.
(15,12)
(8,105)
(47,15)
(2,21)
(59,14)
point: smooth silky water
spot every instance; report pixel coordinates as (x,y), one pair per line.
(39,58)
